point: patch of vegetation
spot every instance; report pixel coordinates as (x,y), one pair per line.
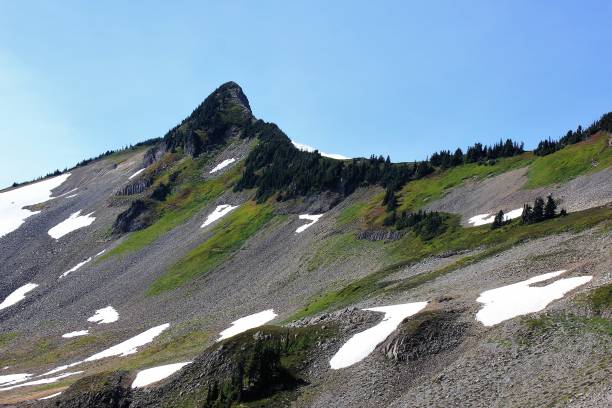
(339,248)
(570,162)
(601,298)
(352,214)
(191,195)
(549,146)
(228,235)
(425,224)
(411,249)
(568,322)
(417,193)
(7,337)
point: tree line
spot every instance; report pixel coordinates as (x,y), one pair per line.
(476,153)
(549,146)
(540,211)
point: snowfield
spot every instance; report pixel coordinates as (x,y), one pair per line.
(12,213)
(105,315)
(17,295)
(72,223)
(362,344)
(520,298)
(136,174)
(222,165)
(312,218)
(246,323)
(75,334)
(483,219)
(219,212)
(155,374)
(311,149)
(49,396)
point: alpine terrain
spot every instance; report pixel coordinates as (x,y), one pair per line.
(224,265)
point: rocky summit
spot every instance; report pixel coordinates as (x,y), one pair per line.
(222,265)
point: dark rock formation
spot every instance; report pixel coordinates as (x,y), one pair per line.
(132,219)
(425,334)
(135,187)
(105,390)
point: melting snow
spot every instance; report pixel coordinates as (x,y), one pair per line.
(49,396)
(12,213)
(41,381)
(104,315)
(155,374)
(223,164)
(75,334)
(482,219)
(311,218)
(74,268)
(136,174)
(362,344)
(130,346)
(311,149)
(246,323)
(219,212)
(72,223)
(13,378)
(520,298)
(17,295)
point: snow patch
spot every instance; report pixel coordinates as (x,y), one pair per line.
(105,315)
(482,219)
(130,346)
(49,396)
(136,174)
(312,218)
(13,378)
(74,268)
(219,212)
(12,213)
(75,334)
(72,223)
(520,298)
(41,381)
(17,295)
(311,149)
(246,323)
(155,374)
(222,165)
(362,344)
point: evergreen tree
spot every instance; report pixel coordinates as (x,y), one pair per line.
(527,216)
(538,209)
(550,208)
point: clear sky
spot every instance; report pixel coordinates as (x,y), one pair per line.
(351,77)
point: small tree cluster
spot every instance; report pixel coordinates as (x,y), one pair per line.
(499,220)
(426,224)
(540,211)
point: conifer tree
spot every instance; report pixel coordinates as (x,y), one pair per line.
(538,209)
(498,221)
(550,208)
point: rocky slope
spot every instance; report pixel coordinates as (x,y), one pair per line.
(177,242)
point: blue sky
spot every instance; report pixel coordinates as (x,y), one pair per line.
(353,77)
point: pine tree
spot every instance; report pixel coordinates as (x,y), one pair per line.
(538,209)
(527,216)
(550,208)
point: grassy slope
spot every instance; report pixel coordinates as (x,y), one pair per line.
(181,205)
(411,249)
(228,235)
(416,194)
(570,162)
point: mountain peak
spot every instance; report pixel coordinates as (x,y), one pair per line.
(224,113)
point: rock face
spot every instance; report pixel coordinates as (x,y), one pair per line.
(136,187)
(105,390)
(132,219)
(424,335)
